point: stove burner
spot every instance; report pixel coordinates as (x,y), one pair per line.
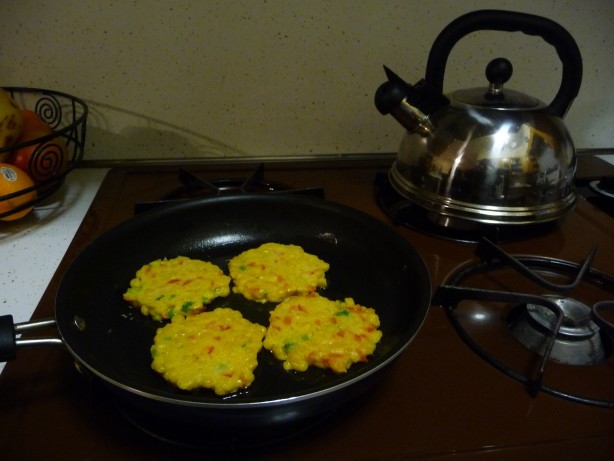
(498,308)
(406,213)
(578,341)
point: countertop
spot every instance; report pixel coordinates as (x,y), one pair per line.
(31,248)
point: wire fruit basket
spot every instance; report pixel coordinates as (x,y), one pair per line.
(66,115)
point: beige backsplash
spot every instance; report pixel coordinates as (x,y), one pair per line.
(215,79)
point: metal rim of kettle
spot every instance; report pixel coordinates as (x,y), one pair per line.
(456,210)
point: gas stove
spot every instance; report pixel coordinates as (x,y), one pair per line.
(469,385)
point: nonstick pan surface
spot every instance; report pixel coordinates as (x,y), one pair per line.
(368,260)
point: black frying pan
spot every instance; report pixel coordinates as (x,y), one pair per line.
(368,260)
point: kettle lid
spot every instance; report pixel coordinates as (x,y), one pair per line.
(498,72)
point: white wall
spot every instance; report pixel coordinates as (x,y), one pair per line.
(261,78)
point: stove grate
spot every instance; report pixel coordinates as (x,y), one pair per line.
(455,290)
(194,187)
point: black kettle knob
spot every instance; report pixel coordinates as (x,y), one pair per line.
(499,71)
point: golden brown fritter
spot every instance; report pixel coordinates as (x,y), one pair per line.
(273,272)
(215,350)
(313,330)
(167,287)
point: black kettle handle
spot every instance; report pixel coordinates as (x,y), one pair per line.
(509,21)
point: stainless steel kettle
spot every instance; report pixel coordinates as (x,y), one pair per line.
(485,155)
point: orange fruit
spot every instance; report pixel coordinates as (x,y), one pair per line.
(14,179)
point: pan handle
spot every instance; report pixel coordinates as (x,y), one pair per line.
(9,330)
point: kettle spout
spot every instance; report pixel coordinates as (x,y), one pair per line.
(410,105)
